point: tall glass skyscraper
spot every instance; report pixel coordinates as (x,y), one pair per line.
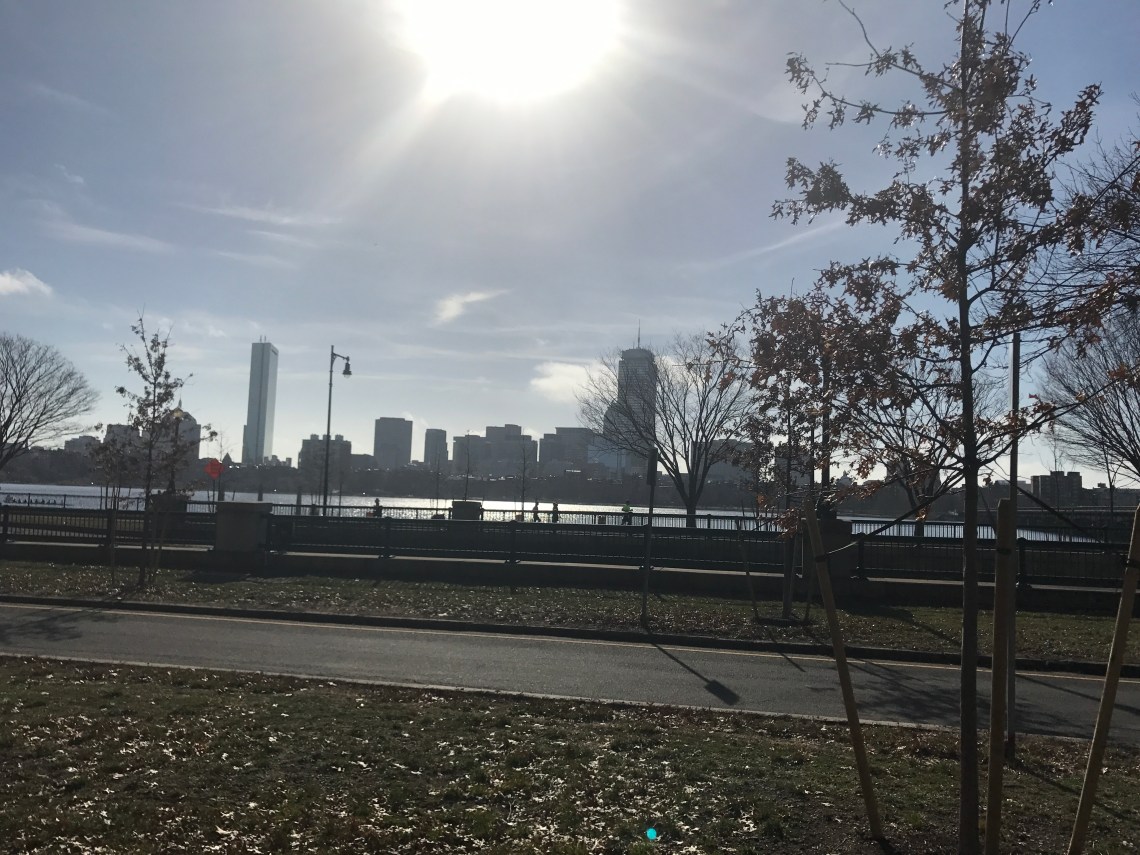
(257,435)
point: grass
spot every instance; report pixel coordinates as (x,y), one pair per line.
(101,758)
(1042,635)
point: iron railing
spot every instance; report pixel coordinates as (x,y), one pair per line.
(1045,556)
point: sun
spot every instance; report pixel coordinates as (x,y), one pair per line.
(508,50)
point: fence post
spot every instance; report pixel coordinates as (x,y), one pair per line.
(1022,586)
(511,559)
(4,528)
(387,539)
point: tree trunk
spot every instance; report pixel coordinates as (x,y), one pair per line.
(968,731)
(690,515)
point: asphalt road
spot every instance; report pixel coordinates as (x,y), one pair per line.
(768,682)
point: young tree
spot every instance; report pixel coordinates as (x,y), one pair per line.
(972,237)
(161,454)
(41,393)
(687,408)
(808,360)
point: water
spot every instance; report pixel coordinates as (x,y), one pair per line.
(94,497)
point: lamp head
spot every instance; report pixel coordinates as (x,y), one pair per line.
(347,368)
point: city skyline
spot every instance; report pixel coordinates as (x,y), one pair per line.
(473,256)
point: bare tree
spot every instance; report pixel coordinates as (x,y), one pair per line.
(685,403)
(41,393)
(1099,425)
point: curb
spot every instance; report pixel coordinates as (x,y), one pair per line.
(885,654)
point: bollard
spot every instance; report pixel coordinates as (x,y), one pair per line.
(511,559)
(4,527)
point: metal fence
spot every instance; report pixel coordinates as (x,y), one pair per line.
(1050,556)
(527,541)
(1053,558)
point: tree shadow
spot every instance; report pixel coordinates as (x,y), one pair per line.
(901,615)
(714,687)
(52,626)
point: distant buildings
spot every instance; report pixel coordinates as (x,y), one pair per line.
(121,436)
(392,443)
(257,435)
(85,445)
(568,448)
(1058,489)
(505,452)
(631,420)
(311,459)
(435,449)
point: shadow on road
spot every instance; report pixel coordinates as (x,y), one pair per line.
(714,687)
(48,625)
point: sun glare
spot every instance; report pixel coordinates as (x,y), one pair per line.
(508,50)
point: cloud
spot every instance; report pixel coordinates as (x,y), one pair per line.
(282,237)
(18,281)
(767,249)
(66,99)
(254,258)
(454,305)
(70,177)
(268,215)
(59,225)
(559,381)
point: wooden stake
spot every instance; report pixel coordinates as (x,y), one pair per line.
(1003,591)
(1108,697)
(822,572)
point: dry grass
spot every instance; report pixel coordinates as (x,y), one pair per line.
(130,759)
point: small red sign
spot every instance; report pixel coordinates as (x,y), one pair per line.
(214,468)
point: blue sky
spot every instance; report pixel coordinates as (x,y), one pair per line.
(264,168)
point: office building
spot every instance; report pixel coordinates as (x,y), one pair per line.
(508,452)
(392,443)
(630,422)
(435,449)
(568,448)
(85,445)
(257,435)
(311,459)
(1059,489)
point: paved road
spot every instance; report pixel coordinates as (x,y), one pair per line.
(1057,704)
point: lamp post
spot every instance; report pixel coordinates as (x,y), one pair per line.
(333,357)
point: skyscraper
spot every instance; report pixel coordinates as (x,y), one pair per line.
(435,448)
(257,435)
(631,420)
(392,443)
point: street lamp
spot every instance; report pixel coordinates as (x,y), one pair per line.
(333,357)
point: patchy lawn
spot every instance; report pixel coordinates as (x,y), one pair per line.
(1041,635)
(101,758)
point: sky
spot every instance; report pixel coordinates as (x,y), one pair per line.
(314,174)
